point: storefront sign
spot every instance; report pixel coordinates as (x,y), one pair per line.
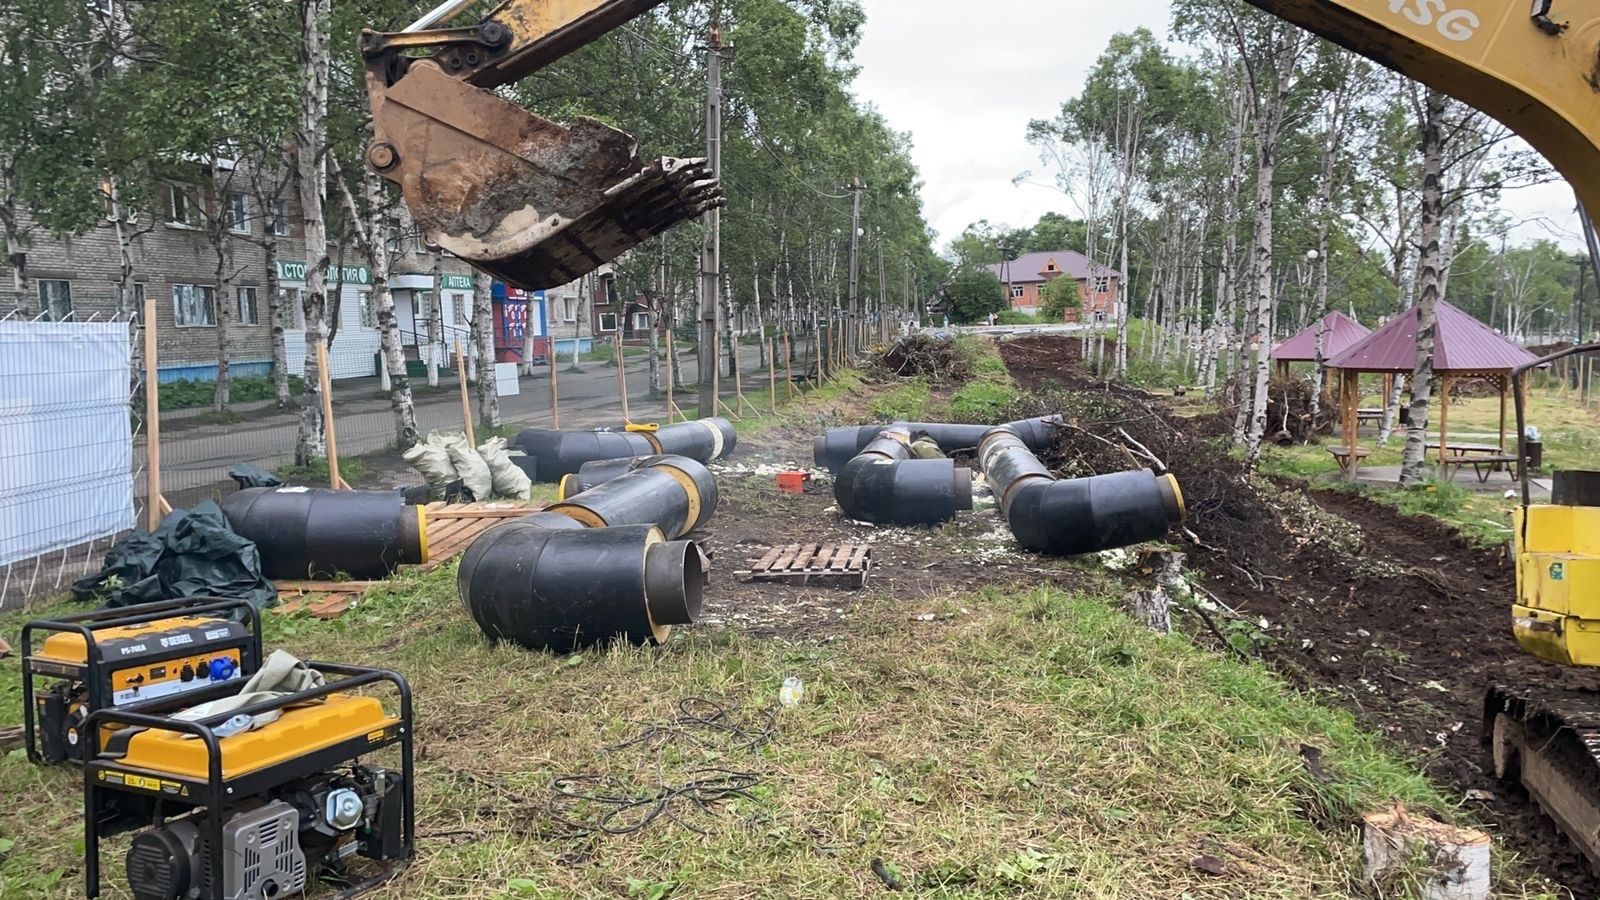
(296,271)
(456,282)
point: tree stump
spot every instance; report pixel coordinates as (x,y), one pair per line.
(1455,860)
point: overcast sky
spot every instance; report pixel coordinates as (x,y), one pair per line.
(964,79)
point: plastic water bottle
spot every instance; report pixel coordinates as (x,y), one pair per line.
(792,692)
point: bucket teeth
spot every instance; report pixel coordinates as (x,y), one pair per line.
(530,201)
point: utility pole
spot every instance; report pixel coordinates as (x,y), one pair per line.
(854,316)
(711,251)
(883,292)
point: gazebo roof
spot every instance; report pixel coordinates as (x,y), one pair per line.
(1343,332)
(1462,345)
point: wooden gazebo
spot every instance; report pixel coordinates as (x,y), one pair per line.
(1463,348)
(1343,333)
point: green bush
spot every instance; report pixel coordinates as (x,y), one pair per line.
(1013,317)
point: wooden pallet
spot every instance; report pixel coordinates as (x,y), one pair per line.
(839,565)
(451,528)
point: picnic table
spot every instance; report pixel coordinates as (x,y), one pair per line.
(1485,459)
(1371,416)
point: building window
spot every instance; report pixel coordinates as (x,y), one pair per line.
(194,305)
(608,321)
(280,218)
(247,309)
(55,299)
(290,315)
(459,301)
(138,297)
(424,307)
(369,316)
(1017,291)
(238,213)
(182,208)
(1102,284)
(641,321)
(569,309)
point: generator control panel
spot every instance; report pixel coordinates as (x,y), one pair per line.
(149,658)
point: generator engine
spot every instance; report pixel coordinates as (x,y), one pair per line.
(270,845)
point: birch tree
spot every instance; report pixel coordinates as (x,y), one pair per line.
(310,142)
(483,347)
(1424,381)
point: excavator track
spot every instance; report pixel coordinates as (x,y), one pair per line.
(1549,743)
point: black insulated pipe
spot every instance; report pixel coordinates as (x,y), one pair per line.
(837,446)
(550,455)
(565,590)
(883,485)
(673,492)
(318,533)
(593,474)
(1080,515)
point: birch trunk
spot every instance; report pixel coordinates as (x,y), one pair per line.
(435,322)
(222,398)
(483,340)
(310,139)
(378,231)
(1424,381)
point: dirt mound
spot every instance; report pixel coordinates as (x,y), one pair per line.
(1398,617)
(938,360)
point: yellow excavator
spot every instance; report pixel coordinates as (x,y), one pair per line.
(538,204)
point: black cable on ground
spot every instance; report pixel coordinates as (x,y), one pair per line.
(590,803)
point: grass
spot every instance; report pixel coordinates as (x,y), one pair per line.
(1571,436)
(991,389)
(1030,744)
(904,403)
(350,469)
(187,394)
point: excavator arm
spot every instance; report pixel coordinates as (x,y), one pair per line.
(1532,64)
(528,200)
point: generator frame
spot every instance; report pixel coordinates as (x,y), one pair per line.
(95,674)
(217,793)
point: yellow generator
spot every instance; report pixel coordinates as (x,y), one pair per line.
(145,658)
(251,802)
(1545,738)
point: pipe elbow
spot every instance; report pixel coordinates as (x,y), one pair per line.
(889,491)
(1088,515)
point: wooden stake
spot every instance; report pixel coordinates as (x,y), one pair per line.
(738,382)
(1352,419)
(153,500)
(788,367)
(1505,383)
(671,405)
(622,372)
(1444,417)
(466,405)
(772,378)
(329,435)
(555,398)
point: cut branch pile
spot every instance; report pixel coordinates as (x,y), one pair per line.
(933,359)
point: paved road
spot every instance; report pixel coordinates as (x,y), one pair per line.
(195,458)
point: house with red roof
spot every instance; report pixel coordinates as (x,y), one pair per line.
(1026,276)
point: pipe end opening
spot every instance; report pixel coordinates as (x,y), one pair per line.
(962,484)
(819,450)
(1172,497)
(674,579)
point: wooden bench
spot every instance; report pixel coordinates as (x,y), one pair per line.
(1341,455)
(1483,465)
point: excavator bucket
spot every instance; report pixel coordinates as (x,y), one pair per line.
(530,201)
